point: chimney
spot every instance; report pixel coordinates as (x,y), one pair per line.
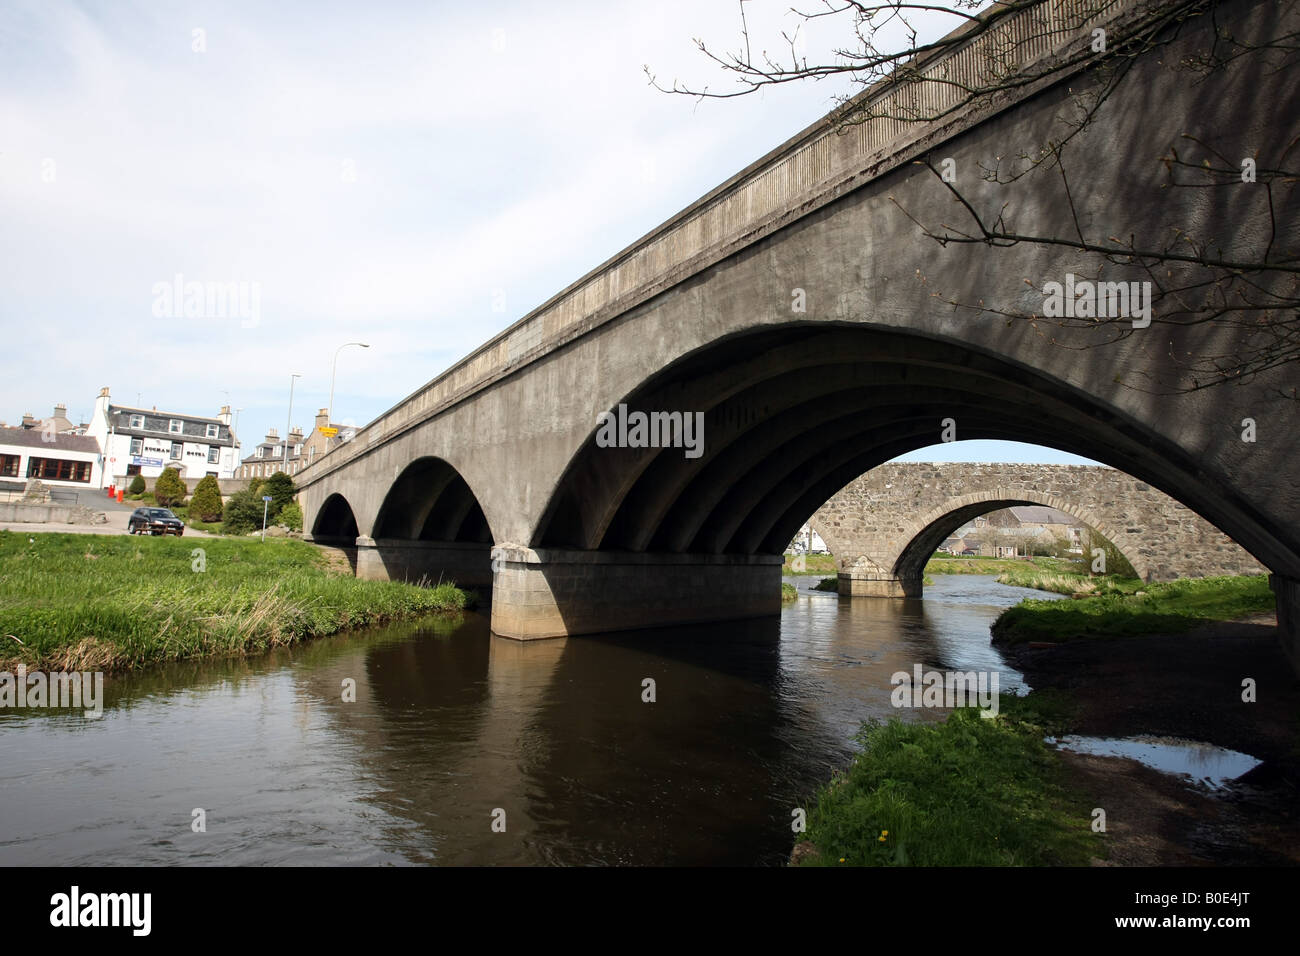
(60,411)
(323,418)
(272,435)
(224,415)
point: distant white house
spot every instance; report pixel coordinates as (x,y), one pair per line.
(802,543)
(61,460)
(144,441)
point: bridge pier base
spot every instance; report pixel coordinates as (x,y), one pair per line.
(395,559)
(875,584)
(1287,591)
(556,592)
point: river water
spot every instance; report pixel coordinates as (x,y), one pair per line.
(453,731)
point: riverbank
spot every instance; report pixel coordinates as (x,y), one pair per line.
(72,602)
(1159,608)
(1188,686)
(970,791)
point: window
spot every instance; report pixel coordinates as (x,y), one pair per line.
(214,454)
(175,426)
(297,449)
(137,446)
(137,421)
(260,449)
(176,451)
(58,469)
(211,474)
(212,431)
(9,465)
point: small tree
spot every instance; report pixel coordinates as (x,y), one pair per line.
(242,514)
(291,516)
(169,490)
(280,487)
(137,485)
(206,503)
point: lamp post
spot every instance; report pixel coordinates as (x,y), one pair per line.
(329,412)
(285,459)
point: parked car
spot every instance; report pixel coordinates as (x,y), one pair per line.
(154,521)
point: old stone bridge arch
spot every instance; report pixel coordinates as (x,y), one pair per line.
(886,524)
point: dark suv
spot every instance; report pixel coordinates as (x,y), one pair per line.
(154,521)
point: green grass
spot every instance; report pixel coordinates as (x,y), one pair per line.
(1070,582)
(1161,608)
(96,602)
(970,791)
(828,584)
(978,565)
(812,564)
(788,592)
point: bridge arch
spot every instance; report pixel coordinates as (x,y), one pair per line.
(930,529)
(429,526)
(431,501)
(335,522)
(794,412)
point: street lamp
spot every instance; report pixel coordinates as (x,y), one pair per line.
(329,415)
(285,459)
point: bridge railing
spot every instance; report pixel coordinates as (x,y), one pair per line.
(823,155)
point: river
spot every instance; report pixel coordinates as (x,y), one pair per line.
(453,731)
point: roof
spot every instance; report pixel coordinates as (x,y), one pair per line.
(34,438)
(1041,514)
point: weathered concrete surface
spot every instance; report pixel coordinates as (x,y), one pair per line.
(883,526)
(553,592)
(698,316)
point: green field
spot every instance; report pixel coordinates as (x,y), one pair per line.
(95,602)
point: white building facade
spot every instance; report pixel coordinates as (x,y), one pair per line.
(144,441)
(61,461)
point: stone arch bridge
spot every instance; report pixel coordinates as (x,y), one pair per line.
(802,311)
(883,526)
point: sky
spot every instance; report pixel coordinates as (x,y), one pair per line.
(412,176)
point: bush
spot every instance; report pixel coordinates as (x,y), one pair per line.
(137,486)
(291,516)
(280,487)
(242,514)
(206,503)
(169,490)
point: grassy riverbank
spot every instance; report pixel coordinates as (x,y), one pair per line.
(1065,582)
(970,791)
(796,564)
(110,603)
(788,592)
(1162,608)
(977,565)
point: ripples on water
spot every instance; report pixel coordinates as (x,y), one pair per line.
(450,724)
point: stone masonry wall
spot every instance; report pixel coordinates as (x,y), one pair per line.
(871,524)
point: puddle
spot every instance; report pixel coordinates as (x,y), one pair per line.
(1206,764)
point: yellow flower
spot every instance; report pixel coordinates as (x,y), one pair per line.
(841,859)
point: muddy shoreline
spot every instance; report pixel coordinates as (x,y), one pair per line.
(1190,686)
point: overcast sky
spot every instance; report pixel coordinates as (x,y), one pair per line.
(383,173)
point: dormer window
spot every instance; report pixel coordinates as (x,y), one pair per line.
(260,451)
(137,421)
(175,426)
(213,431)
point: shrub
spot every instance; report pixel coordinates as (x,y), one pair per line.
(206,503)
(137,486)
(291,516)
(280,487)
(242,514)
(169,489)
